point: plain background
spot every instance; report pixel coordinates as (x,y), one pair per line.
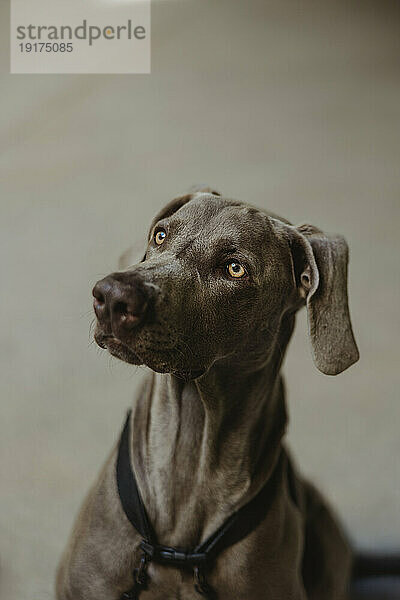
(293,106)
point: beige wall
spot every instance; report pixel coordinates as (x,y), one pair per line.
(292,106)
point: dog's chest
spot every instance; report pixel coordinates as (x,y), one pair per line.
(262,565)
(248,571)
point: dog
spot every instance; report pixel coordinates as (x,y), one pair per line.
(210,310)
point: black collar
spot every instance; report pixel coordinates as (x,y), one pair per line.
(239,525)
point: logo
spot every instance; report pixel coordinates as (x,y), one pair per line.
(80,36)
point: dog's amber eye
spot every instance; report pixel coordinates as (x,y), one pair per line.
(160,236)
(235,269)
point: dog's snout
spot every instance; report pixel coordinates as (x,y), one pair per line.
(120,305)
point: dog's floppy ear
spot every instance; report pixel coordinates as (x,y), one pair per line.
(320,269)
(132,255)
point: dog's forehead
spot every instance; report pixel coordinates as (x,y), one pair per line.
(214,217)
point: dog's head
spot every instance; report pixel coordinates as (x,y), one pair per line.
(216,281)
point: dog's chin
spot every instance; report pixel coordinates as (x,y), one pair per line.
(118,349)
(160,361)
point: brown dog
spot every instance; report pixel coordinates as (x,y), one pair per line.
(210,309)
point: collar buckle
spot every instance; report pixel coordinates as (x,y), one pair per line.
(172,556)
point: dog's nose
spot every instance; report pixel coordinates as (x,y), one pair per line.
(120,304)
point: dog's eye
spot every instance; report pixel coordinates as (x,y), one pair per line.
(159,236)
(235,269)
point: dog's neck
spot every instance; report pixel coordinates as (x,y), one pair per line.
(202,449)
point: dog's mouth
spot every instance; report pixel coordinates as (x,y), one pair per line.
(158,356)
(160,359)
(117,348)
